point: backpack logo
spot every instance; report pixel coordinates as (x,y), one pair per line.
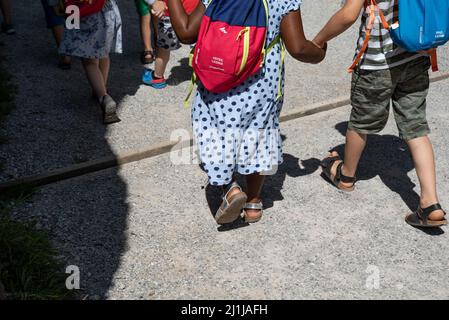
(223,30)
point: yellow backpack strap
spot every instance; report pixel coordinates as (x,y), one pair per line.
(188,99)
(192,81)
(279,96)
(275,41)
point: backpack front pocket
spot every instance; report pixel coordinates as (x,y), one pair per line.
(223,49)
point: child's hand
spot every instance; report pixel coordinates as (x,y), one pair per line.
(158,9)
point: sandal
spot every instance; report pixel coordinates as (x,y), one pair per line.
(145,54)
(109,109)
(230,210)
(327,164)
(253,206)
(420,218)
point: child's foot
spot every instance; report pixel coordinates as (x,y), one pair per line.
(427,216)
(233,201)
(151,80)
(8,28)
(333,169)
(253,212)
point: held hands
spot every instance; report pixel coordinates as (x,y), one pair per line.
(321,46)
(158,8)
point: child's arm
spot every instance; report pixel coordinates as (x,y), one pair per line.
(340,22)
(186,26)
(297,45)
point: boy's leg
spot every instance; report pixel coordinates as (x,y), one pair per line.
(162,58)
(424,160)
(370,111)
(409,104)
(355,144)
(95,77)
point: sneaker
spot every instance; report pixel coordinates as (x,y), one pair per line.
(149,79)
(8,28)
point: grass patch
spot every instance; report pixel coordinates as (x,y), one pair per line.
(29,268)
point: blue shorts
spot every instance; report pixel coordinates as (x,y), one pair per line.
(53,20)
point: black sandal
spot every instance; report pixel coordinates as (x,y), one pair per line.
(327,164)
(144,59)
(420,218)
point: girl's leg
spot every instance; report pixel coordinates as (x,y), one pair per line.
(95,77)
(424,160)
(104,65)
(58,32)
(254,184)
(163,56)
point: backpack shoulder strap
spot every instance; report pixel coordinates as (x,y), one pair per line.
(372,17)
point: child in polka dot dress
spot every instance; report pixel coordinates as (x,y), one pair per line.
(238,131)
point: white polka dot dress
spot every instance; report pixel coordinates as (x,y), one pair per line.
(238,131)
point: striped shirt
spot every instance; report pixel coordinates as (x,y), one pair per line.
(382,53)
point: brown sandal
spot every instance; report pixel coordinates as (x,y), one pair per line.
(327,164)
(420,218)
(145,54)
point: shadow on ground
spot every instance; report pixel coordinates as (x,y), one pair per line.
(388,157)
(56,124)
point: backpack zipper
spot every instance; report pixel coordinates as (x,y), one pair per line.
(246,33)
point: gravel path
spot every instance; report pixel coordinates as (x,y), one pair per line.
(146,231)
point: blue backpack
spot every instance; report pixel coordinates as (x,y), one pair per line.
(423,26)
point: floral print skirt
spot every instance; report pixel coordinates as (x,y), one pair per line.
(99,35)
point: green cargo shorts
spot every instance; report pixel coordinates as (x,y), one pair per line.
(143,9)
(406,86)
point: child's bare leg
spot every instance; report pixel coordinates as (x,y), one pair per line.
(95,77)
(58,32)
(145,32)
(163,56)
(254,183)
(424,160)
(104,65)
(355,144)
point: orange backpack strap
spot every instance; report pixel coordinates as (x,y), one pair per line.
(434,59)
(372,17)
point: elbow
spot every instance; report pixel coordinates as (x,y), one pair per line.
(297,52)
(185,37)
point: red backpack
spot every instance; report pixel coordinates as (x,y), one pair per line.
(231,45)
(87,7)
